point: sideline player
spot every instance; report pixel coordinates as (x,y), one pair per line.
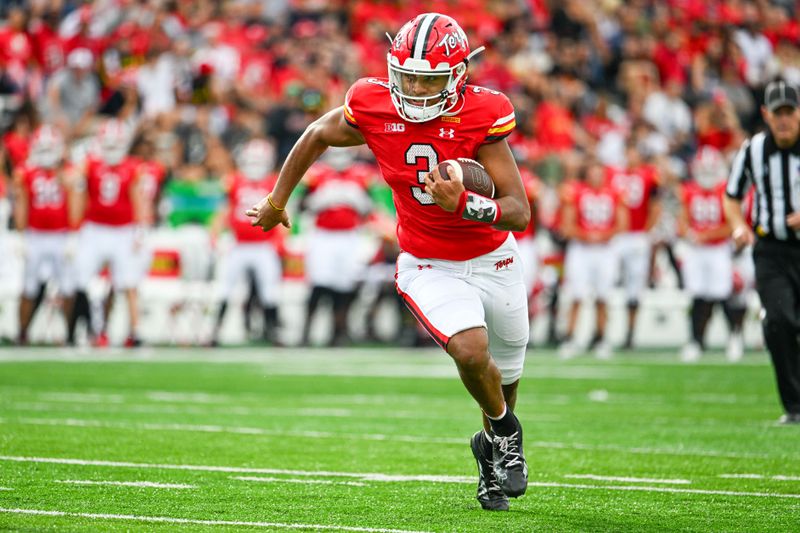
(113,208)
(637,185)
(460,270)
(339,201)
(708,264)
(255,251)
(41,211)
(593,214)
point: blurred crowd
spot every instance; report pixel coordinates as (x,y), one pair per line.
(192,82)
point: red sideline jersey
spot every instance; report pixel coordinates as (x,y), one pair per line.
(151,175)
(242,196)
(47,199)
(704,209)
(595,208)
(407,151)
(637,187)
(109,189)
(532,188)
(339,199)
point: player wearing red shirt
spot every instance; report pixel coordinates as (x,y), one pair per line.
(637,185)
(526,239)
(593,214)
(254,250)
(708,263)
(112,203)
(40,210)
(459,272)
(337,197)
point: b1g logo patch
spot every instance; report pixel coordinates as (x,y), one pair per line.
(394,127)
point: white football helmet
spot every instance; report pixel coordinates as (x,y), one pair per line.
(256,159)
(708,167)
(113,141)
(432,47)
(47,147)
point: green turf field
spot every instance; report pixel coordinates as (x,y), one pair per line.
(377,440)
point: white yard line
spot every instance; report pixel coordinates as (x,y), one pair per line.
(381,476)
(643,488)
(367,476)
(298,480)
(595,477)
(6,488)
(760,476)
(146,484)
(171,520)
(456,441)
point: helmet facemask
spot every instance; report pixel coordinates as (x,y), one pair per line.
(421,108)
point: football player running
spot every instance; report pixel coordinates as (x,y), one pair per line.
(459,274)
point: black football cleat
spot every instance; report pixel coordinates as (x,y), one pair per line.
(490,495)
(510,467)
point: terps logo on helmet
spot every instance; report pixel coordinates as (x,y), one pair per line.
(451,41)
(435,47)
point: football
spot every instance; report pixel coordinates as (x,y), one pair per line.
(471,174)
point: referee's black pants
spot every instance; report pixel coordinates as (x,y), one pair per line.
(778,283)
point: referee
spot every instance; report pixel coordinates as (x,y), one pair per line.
(771,161)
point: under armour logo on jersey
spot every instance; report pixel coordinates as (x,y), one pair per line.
(447,133)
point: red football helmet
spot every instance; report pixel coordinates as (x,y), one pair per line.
(47,147)
(430,51)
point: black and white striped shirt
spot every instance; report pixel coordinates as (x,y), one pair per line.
(776,176)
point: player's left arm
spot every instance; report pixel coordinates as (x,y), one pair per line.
(510,195)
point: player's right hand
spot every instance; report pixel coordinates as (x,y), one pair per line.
(266,216)
(742,236)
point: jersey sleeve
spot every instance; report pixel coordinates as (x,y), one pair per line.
(504,121)
(349,115)
(356,101)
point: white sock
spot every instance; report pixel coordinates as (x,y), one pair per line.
(505,409)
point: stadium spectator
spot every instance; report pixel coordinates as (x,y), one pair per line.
(73,94)
(452,256)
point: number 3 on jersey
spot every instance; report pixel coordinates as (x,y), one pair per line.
(427,153)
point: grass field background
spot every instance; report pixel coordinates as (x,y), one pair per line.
(377,440)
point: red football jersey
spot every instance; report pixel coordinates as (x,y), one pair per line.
(339,199)
(595,208)
(636,188)
(407,151)
(109,189)
(47,199)
(243,195)
(704,209)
